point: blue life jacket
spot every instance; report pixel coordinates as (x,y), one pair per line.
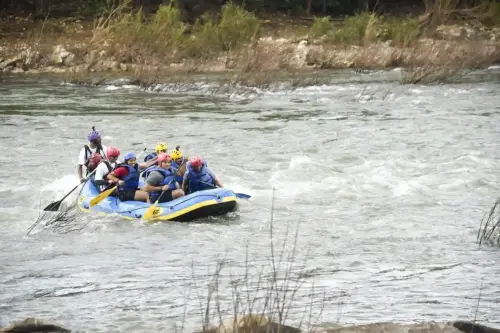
(168,180)
(150,156)
(151,167)
(199,181)
(132,179)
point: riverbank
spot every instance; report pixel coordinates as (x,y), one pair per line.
(150,49)
(259,324)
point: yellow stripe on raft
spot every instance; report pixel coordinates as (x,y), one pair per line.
(169,216)
(191,208)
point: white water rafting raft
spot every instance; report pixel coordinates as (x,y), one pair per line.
(212,202)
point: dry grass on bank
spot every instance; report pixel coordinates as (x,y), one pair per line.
(489,229)
(447,61)
(153,46)
(263,296)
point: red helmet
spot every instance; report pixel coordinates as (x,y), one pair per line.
(95,159)
(164,157)
(112,152)
(196,161)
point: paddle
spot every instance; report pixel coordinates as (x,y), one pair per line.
(54,206)
(150,212)
(238,195)
(103,195)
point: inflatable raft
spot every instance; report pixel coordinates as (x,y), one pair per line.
(214,202)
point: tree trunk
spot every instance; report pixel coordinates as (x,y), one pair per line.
(363,5)
(42,8)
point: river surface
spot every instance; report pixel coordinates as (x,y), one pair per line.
(378,190)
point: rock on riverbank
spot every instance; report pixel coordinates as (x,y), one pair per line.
(259,324)
(461,46)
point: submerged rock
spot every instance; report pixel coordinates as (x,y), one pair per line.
(425,327)
(470,327)
(32,325)
(252,324)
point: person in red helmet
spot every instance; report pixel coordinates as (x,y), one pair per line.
(161,181)
(126,176)
(199,177)
(105,167)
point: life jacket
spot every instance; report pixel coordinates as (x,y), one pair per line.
(199,181)
(132,179)
(89,163)
(150,156)
(168,180)
(151,167)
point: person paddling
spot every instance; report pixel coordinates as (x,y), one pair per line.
(126,176)
(105,167)
(160,181)
(199,177)
(86,157)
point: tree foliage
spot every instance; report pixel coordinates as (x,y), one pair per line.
(194,8)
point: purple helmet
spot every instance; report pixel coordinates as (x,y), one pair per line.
(94,135)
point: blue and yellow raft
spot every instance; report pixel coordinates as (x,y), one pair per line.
(213,202)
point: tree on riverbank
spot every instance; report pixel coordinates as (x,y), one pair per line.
(194,35)
(194,8)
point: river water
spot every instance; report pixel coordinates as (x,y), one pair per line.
(377,192)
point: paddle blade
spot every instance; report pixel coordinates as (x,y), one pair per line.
(150,212)
(53,207)
(243,196)
(101,196)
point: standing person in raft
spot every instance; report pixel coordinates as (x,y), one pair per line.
(162,178)
(199,177)
(126,176)
(88,154)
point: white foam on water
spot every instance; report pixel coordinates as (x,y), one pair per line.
(299,161)
(65,183)
(415,91)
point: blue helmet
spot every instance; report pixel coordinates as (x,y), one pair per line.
(94,135)
(128,156)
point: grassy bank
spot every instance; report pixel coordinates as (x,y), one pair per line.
(431,47)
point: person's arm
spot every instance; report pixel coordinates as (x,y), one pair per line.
(80,173)
(185,181)
(153,183)
(182,170)
(81,162)
(215,178)
(114,175)
(147,164)
(217,182)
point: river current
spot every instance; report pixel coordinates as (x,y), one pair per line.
(375,190)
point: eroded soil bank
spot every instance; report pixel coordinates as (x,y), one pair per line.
(85,47)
